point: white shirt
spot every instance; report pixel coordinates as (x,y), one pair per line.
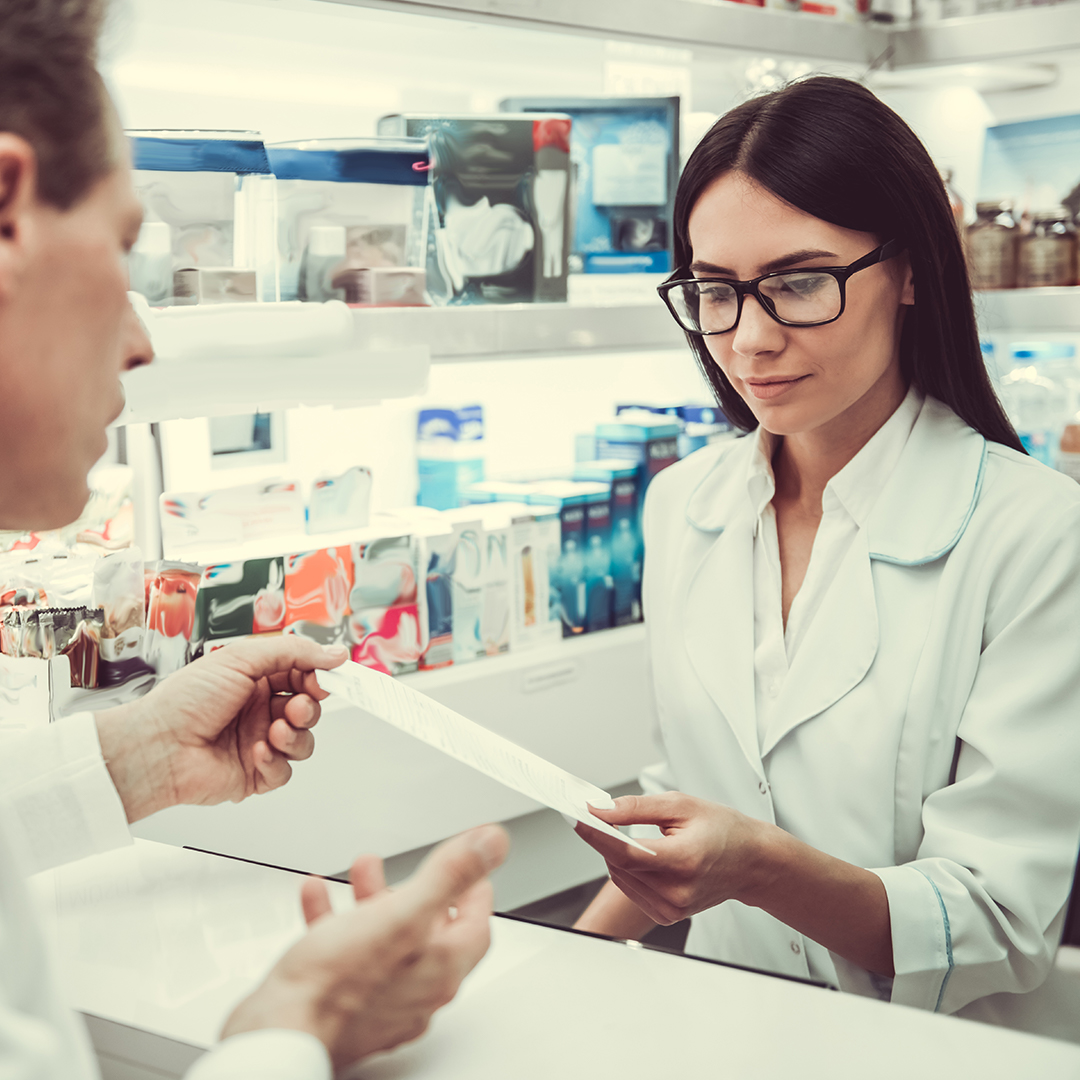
(58,804)
(845,507)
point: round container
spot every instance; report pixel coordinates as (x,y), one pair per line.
(991,246)
(1047,255)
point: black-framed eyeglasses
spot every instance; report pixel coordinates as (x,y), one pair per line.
(813,297)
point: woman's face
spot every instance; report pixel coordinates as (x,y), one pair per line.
(801,379)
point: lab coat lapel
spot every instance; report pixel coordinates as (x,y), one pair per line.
(719,629)
(839,646)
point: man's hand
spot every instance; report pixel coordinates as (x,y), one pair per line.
(370,979)
(222,728)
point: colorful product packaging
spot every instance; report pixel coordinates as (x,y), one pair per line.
(499,205)
(237,599)
(599,583)
(649,440)
(385,630)
(625,154)
(340,502)
(171,589)
(436,546)
(566,569)
(625,545)
(449,454)
(120,591)
(317,589)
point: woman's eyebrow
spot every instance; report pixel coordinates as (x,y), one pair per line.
(767,268)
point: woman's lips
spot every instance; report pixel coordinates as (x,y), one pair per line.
(765,391)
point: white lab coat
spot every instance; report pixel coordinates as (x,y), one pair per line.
(929,728)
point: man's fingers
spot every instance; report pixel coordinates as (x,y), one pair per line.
(452,869)
(268,656)
(271,768)
(367,876)
(287,740)
(298,709)
(296,681)
(314,899)
(469,934)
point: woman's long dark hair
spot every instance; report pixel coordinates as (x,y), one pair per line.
(830,148)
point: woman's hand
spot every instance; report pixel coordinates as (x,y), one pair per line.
(708,854)
(225,727)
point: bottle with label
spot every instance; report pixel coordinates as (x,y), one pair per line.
(1047,255)
(991,246)
(1036,406)
(1069,452)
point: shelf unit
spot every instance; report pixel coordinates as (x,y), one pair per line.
(1037,310)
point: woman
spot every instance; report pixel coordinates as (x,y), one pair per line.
(862,616)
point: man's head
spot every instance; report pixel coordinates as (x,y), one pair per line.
(68,216)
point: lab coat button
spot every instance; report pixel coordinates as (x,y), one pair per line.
(763,787)
(796,948)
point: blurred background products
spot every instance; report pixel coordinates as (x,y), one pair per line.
(1047,254)
(214,194)
(449,454)
(625,158)
(991,246)
(500,205)
(349,205)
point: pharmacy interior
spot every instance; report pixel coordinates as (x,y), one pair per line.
(412,381)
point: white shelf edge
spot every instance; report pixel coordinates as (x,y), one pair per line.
(689,23)
(557,653)
(1034,310)
(997,36)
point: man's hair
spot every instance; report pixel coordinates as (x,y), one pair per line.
(52,95)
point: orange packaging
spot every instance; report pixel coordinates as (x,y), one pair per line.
(317,587)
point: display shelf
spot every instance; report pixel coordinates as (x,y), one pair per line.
(518,331)
(1029,309)
(999,36)
(697,23)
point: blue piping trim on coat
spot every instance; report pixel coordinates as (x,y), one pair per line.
(959,532)
(948,939)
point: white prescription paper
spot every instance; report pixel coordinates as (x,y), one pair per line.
(466,741)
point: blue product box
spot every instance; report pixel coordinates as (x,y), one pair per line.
(568,592)
(625,544)
(649,440)
(449,454)
(625,158)
(599,582)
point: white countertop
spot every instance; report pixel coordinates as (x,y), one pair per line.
(166,940)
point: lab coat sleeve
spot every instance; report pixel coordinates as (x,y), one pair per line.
(273,1054)
(979,911)
(60,802)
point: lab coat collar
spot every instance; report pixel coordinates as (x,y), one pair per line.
(923,507)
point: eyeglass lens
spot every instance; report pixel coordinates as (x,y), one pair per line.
(799,297)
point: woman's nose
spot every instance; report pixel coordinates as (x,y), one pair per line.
(757,331)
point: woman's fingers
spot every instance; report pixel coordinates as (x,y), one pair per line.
(617,853)
(667,809)
(650,903)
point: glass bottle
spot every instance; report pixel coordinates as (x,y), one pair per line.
(1047,255)
(991,246)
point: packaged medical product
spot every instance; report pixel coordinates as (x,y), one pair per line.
(171,589)
(318,585)
(499,205)
(385,630)
(214,192)
(567,585)
(625,155)
(645,438)
(340,502)
(120,591)
(237,599)
(449,454)
(347,205)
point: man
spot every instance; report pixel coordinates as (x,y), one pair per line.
(225,727)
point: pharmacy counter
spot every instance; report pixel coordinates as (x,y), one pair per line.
(157,944)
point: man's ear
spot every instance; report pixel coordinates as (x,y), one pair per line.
(18,199)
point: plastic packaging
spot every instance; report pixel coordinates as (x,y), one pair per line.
(347,204)
(1036,406)
(215,193)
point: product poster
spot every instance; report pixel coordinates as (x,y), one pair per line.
(1036,163)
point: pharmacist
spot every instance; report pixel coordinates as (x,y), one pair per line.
(863,616)
(226,726)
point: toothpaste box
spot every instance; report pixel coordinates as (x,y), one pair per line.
(385,630)
(648,439)
(317,589)
(237,599)
(625,543)
(568,593)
